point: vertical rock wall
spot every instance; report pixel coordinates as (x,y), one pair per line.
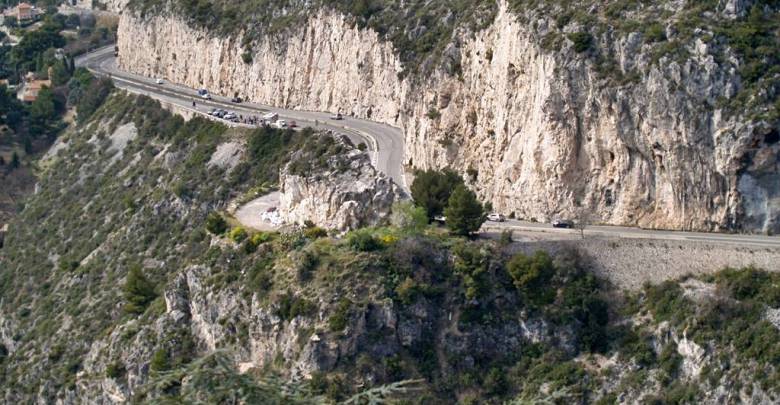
(543,130)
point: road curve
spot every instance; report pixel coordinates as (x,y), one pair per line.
(386,145)
(384,141)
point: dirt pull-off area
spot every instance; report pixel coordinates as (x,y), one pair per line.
(261,213)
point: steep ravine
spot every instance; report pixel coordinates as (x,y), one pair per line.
(541,132)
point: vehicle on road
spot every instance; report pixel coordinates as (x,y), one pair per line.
(229,116)
(236,100)
(271,117)
(337,117)
(496,217)
(281,124)
(206,96)
(159,81)
(562,223)
(292,124)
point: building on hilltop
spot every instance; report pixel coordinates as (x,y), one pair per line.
(29,89)
(24,13)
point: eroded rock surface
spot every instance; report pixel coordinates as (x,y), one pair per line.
(544,129)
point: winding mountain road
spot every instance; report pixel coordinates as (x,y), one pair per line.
(386,145)
(384,141)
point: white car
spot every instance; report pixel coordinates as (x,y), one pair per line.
(281,124)
(440,218)
(159,81)
(496,217)
(206,96)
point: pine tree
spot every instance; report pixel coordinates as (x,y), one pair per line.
(139,291)
(15,161)
(464,212)
(431,189)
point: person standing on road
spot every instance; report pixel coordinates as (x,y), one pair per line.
(193,103)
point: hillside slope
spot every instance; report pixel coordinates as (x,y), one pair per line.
(661,115)
(121,281)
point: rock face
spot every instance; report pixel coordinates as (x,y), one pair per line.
(346,194)
(544,129)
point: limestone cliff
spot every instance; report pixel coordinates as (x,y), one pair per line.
(346,194)
(541,129)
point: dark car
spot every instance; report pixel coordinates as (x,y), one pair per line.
(337,117)
(236,100)
(562,223)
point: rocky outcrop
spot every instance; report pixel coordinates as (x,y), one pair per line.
(347,193)
(545,130)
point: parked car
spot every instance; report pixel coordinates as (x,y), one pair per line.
(201,92)
(281,124)
(562,223)
(236,100)
(337,117)
(292,124)
(495,217)
(213,111)
(440,218)
(159,81)
(206,96)
(229,116)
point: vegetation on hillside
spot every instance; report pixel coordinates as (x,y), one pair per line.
(27,129)
(109,262)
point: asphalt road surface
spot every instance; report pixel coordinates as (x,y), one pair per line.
(386,145)
(384,142)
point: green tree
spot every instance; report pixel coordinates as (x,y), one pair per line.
(59,73)
(216,224)
(15,161)
(93,98)
(531,276)
(431,190)
(138,291)
(10,21)
(159,361)
(464,212)
(42,112)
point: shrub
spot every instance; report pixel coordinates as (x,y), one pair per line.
(406,291)
(471,263)
(655,33)
(307,263)
(290,306)
(582,41)
(216,224)
(159,361)
(115,370)
(256,240)
(315,232)
(505,238)
(531,275)
(246,57)
(363,241)
(338,320)
(237,234)
(138,291)
(408,217)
